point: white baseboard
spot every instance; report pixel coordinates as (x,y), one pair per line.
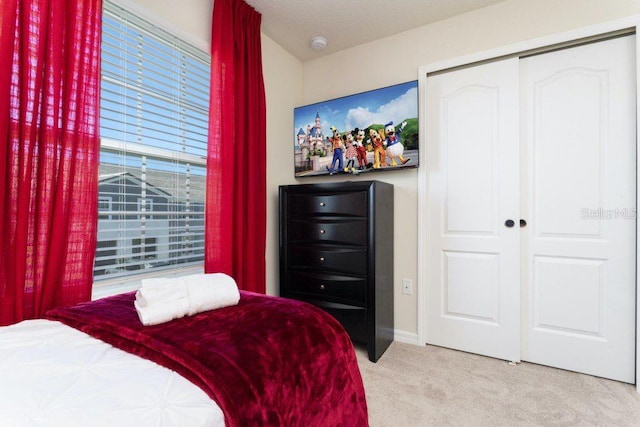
(406,337)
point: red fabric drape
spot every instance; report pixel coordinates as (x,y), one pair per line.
(236,161)
(49,125)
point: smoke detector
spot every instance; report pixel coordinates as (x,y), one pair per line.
(318,43)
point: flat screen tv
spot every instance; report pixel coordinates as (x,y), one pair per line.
(371,131)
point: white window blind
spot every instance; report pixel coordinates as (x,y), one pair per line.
(153,125)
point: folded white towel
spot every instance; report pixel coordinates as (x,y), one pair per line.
(159,290)
(161,300)
(162,312)
(210,291)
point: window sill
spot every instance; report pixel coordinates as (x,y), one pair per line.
(117,286)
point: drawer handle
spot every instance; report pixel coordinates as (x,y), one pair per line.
(322,231)
(321,259)
(322,287)
(322,204)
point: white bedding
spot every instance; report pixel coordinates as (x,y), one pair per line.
(54,375)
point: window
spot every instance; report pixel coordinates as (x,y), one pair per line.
(145,207)
(106,257)
(104,207)
(145,249)
(153,129)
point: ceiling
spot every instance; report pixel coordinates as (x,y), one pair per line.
(347,23)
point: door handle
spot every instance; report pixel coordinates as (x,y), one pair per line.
(523,223)
(509,223)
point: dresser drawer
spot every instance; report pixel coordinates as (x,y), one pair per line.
(328,287)
(343,260)
(347,204)
(350,232)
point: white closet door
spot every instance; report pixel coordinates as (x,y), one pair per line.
(578,257)
(473,166)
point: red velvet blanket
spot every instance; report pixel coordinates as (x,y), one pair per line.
(267,361)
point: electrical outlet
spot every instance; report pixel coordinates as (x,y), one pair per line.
(407,287)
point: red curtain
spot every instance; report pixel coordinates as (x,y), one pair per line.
(236,161)
(49,123)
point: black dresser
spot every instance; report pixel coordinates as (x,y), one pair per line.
(336,252)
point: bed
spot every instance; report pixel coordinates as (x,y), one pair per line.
(267,361)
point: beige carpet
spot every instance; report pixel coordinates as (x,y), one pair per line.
(433,386)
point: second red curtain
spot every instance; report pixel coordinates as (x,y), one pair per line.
(236,161)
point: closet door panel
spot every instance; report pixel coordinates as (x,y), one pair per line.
(473,263)
(569,154)
(472,162)
(578,259)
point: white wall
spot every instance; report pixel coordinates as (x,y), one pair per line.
(188,19)
(396,59)
(283,87)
